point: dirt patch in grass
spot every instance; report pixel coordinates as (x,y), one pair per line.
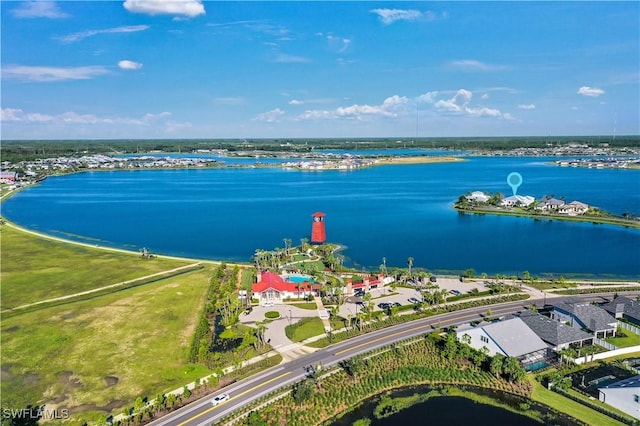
(111,381)
(93,407)
(67,380)
(31,378)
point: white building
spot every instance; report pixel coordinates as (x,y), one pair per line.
(511,338)
(517,200)
(623,395)
(574,208)
(477,197)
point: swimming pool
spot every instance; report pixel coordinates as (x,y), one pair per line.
(537,366)
(298,279)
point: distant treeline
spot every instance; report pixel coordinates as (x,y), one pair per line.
(21,150)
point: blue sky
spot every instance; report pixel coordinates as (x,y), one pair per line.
(191,69)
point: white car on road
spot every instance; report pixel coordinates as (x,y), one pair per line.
(220,398)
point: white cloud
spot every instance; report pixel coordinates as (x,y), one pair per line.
(125,64)
(338,44)
(474,65)
(593,92)
(90,33)
(389,16)
(428,97)
(38,9)
(390,107)
(295,102)
(459,105)
(290,59)
(526,106)
(485,96)
(71,117)
(270,116)
(190,8)
(46,74)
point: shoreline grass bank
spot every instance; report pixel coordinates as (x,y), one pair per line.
(596,220)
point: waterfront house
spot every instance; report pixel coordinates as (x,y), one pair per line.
(477,197)
(624,308)
(574,208)
(585,316)
(517,201)
(623,395)
(558,335)
(511,338)
(272,288)
(550,204)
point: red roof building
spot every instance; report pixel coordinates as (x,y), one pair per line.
(273,288)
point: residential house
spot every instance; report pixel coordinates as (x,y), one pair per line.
(574,208)
(272,288)
(367,283)
(549,204)
(624,308)
(477,197)
(585,316)
(8,177)
(557,334)
(623,395)
(517,201)
(511,337)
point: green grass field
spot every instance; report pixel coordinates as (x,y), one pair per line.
(630,339)
(103,353)
(35,268)
(97,355)
(305,328)
(566,405)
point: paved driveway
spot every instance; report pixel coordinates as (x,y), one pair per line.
(274,333)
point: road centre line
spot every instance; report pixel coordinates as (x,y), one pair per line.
(235,396)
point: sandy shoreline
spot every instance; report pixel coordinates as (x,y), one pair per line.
(422,159)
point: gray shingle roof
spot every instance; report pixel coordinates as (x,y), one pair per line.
(586,313)
(631,382)
(514,337)
(631,307)
(553,332)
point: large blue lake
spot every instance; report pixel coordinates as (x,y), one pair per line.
(387,211)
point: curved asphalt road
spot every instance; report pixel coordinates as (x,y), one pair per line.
(201,412)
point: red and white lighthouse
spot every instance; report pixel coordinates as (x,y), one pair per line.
(318,233)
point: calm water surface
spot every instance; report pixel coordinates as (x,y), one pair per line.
(444,410)
(387,211)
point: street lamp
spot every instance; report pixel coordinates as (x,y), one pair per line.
(290,316)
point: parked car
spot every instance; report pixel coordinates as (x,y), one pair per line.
(433,279)
(358,293)
(220,398)
(384,305)
(456,292)
(414,300)
(268,304)
(398,304)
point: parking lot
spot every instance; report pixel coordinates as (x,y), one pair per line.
(403,295)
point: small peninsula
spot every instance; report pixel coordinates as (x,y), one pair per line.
(548,207)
